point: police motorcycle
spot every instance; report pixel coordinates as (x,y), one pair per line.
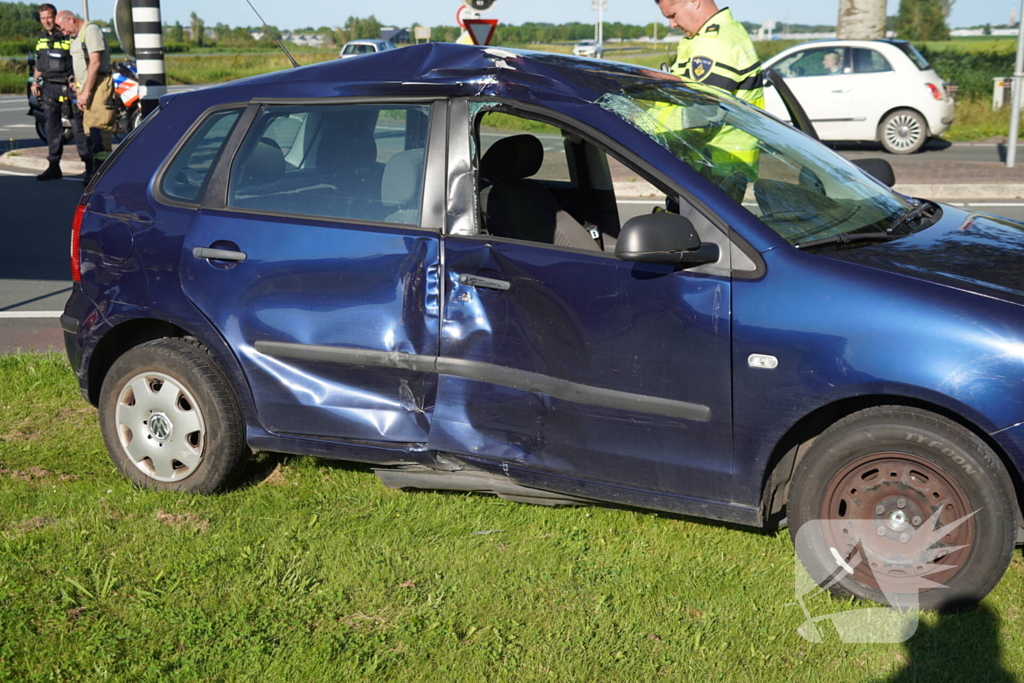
(126,102)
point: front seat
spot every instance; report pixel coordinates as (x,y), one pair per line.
(516,206)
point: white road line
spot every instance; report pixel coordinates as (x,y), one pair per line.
(18,125)
(995,204)
(641,201)
(30,314)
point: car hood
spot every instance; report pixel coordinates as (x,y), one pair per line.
(973,252)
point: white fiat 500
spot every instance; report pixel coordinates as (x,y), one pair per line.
(865,90)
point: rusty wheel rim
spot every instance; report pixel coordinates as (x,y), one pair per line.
(892,518)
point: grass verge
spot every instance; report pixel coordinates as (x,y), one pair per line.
(317,572)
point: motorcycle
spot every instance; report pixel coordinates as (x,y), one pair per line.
(126,103)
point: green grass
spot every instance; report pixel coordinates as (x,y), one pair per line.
(319,573)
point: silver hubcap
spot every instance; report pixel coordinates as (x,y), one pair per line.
(903,132)
(160,426)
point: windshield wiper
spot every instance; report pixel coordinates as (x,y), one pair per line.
(911,214)
(844,238)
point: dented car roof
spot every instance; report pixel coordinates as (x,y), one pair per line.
(439,69)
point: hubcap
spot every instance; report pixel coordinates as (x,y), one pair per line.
(903,132)
(892,509)
(160,426)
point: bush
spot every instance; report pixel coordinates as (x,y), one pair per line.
(973,70)
(16,48)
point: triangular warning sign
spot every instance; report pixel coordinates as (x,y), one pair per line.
(480,30)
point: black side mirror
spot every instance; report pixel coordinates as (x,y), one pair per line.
(663,238)
(879,168)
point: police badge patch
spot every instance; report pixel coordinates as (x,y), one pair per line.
(700,67)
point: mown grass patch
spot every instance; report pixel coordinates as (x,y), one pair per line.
(315,571)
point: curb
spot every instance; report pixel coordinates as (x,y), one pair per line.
(639,190)
(30,163)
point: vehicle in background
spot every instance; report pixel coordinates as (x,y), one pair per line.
(368,46)
(589,48)
(865,90)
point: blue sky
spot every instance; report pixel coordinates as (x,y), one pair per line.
(298,13)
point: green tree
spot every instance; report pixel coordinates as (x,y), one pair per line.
(176,34)
(923,20)
(198,31)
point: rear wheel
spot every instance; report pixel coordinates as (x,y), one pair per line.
(904,507)
(904,131)
(170,420)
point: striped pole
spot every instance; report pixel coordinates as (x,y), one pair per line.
(149,52)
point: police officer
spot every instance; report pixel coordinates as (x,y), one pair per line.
(718,52)
(53,83)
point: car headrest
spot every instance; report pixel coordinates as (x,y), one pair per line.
(264,165)
(340,150)
(512,158)
(403,178)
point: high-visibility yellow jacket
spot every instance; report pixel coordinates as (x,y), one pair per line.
(721,54)
(53,56)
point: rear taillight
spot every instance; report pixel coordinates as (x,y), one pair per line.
(936,91)
(76,236)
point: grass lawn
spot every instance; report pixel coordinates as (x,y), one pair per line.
(316,572)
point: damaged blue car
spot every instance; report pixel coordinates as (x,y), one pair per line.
(434,260)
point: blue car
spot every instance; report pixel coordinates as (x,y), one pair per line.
(370,260)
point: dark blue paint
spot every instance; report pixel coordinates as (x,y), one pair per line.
(932,318)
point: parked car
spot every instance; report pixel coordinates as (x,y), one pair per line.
(355,48)
(866,90)
(588,48)
(347,261)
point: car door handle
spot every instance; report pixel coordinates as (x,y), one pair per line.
(484,282)
(219,254)
(840,91)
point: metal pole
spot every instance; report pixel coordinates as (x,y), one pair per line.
(149,52)
(85,10)
(1018,81)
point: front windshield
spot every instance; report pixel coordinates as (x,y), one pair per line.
(797,187)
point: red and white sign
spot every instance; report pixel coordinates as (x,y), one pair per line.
(464,13)
(480,30)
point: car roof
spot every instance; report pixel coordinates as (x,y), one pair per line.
(368,41)
(435,69)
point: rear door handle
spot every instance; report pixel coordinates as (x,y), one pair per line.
(484,282)
(841,91)
(219,254)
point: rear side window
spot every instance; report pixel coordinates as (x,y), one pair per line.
(185,177)
(352,161)
(916,57)
(869,61)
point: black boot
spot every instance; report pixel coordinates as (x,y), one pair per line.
(90,169)
(51,173)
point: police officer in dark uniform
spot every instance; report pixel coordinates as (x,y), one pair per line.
(54,88)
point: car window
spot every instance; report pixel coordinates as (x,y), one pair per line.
(358,161)
(822,61)
(493,126)
(794,185)
(869,61)
(916,57)
(186,175)
(359,49)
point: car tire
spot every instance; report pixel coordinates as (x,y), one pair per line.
(170,420)
(41,130)
(903,131)
(868,492)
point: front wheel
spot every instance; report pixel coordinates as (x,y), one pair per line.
(900,506)
(904,131)
(170,420)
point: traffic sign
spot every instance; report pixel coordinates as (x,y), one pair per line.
(480,30)
(124,29)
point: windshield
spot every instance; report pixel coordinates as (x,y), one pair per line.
(797,187)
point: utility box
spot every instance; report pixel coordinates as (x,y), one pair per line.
(1001,88)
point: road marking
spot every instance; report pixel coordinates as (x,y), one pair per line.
(31,314)
(18,125)
(996,204)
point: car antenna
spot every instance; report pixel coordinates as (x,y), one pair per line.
(279,43)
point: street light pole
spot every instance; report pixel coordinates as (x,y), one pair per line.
(1018,81)
(85,10)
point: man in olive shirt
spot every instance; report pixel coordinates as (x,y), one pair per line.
(92,73)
